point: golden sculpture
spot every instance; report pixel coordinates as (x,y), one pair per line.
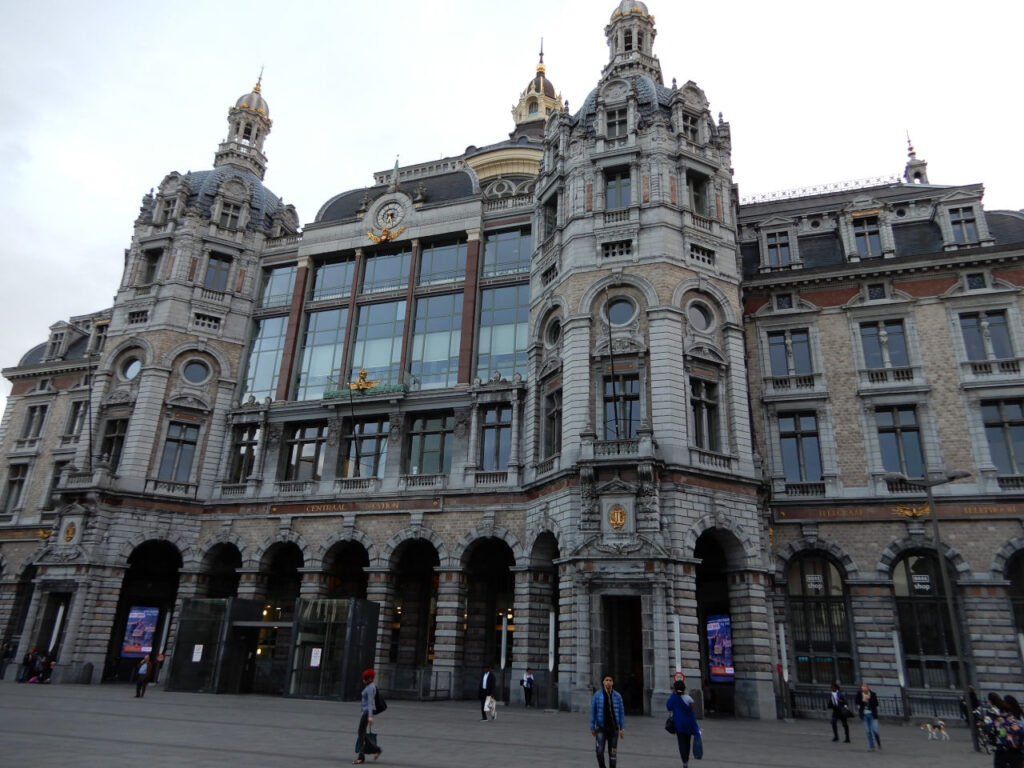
(361,383)
(905,511)
(617,516)
(69,531)
(386,235)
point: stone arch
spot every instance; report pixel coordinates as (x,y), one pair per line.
(552,304)
(224,537)
(487,532)
(809,545)
(386,555)
(898,548)
(170,356)
(613,281)
(741,546)
(131,343)
(287,536)
(701,285)
(339,537)
(177,540)
(1000,559)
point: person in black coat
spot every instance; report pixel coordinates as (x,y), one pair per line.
(837,703)
(486,689)
(867,708)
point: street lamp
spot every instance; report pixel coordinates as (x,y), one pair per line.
(929,483)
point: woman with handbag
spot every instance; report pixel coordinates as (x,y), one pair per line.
(365,741)
(684,720)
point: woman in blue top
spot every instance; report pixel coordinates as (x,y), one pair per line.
(366,719)
(684,719)
(607,721)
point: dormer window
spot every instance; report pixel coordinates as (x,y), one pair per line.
(867,236)
(167,211)
(534,108)
(616,123)
(627,40)
(777,249)
(53,347)
(690,128)
(218,268)
(230,213)
(149,267)
(962,222)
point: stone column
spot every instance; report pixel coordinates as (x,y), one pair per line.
(668,384)
(533,602)
(313,584)
(577,414)
(450,633)
(380,588)
(752,644)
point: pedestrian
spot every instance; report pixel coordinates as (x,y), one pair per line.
(364,742)
(487,692)
(143,674)
(6,654)
(527,683)
(840,712)
(683,718)
(867,709)
(1004,731)
(607,721)
(27,669)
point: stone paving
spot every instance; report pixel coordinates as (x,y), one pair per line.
(107,727)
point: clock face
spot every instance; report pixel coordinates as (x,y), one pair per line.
(390,215)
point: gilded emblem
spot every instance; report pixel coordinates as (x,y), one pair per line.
(905,511)
(361,382)
(617,516)
(69,531)
(389,217)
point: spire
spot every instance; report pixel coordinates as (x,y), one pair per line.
(631,36)
(536,102)
(248,125)
(916,171)
(540,65)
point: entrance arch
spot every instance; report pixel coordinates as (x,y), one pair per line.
(490,611)
(411,647)
(346,564)
(220,571)
(713,603)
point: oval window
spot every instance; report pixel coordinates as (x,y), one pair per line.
(131,368)
(554,332)
(196,371)
(699,315)
(620,311)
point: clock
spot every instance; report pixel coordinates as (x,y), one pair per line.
(390,215)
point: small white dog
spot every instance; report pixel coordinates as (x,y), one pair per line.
(936,730)
(491,707)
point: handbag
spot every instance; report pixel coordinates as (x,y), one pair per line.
(379,705)
(371,740)
(670,724)
(697,746)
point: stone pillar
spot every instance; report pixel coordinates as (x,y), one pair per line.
(533,602)
(871,601)
(144,428)
(313,584)
(668,384)
(450,633)
(990,642)
(380,588)
(252,584)
(577,413)
(752,644)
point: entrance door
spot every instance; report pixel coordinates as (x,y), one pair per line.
(623,650)
(712,603)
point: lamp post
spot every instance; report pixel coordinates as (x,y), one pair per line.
(928,483)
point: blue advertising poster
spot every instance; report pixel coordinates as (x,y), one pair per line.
(138,635)
(720,649)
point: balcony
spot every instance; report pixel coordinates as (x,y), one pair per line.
(490,479)
(794,384)
(604,448)
(547,465)
(874,378)
(233,490)
(296,487)
(710,459)
(349,484)
(990,371)
(424,481)
(508,203)
(805,489)
(160,487)
(1011,482)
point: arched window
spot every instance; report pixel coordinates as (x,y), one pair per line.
(818,617)
(1015,573)
(929,651)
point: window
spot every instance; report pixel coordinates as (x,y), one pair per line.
(818,617)
(32,428)
(442,264)
(304,451)
(621,406)
(965,230)
(54,345)
(699,316)
(784,301)
(617,187)
(925,631)
(333,280)
(209,322)
(899,440)
(113,441)
(49,501)
(99,337)
(697,189)
(801,455)
(690,129)
(976,281)
(378,342)
(365,451)
(16,476)
(150,264)
(138,317)
(778,249)
(218,269)
(167,210)
(620,311)
(195,371)
(551,424)
(179,452)
(245,441)
(866,236)
(885,344)
(617,248)
(496,437)
(76,419)
(430,445)
(507,253)
(534,108)
(986,335)
(701,254)
(627,40)
(437,335)
(789,352)
(504,331)
(387,272)
(704,410)
(265,357)
(876,292)
(278,286)
(616,122)
(1004,431)
(323,347)
(230,213)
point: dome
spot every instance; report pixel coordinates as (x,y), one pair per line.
(629,6)
(540,84)
(254,101)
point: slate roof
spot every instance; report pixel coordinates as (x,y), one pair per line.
(650,96)
(204,185)
(1006,226)
(442,188)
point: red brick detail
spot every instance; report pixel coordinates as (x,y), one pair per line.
(241,281)
(291,342)
(836,297)
(750,306)
(1015,276)
(672,190)
(590,197)
(933,286)
(192,269)
(469,312)
(645,184)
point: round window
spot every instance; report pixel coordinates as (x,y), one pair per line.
(196,371)
(620,311)
(699,315)
(131,368)
(554,332)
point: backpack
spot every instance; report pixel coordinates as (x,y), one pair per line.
(379,705)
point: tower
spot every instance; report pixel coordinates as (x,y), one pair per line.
(249,124)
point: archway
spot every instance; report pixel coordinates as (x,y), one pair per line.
(411,646)
(346,564)
(539,650)
(148,592)
(220,571)
(714,625)
(490,617)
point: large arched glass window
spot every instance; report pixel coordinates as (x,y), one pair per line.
(1015,573)
(929,652)
(819,622)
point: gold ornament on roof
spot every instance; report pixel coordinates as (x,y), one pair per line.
(385,235)
(361,383)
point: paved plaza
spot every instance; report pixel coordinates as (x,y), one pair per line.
(107,727)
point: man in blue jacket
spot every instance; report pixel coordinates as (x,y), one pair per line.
(607,721)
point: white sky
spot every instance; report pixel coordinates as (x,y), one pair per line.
(101,100)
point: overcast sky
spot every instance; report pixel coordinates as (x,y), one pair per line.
(102,100)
